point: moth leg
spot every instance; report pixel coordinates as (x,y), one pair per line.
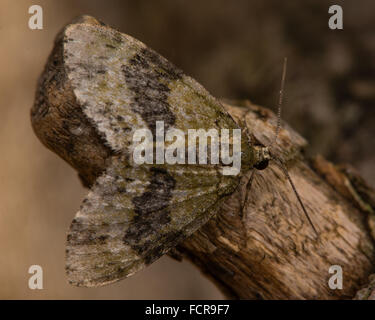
(247,190)
(282,166)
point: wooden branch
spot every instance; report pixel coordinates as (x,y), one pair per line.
(267,250)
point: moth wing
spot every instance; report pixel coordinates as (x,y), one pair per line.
(135,214)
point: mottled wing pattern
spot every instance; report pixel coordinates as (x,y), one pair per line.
(133,215)
(136,213)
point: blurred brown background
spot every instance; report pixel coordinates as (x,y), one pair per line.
(235,49)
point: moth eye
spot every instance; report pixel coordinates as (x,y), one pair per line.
(261,165)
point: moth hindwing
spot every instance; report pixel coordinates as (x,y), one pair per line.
(135,213)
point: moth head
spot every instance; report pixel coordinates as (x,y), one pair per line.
(263,157)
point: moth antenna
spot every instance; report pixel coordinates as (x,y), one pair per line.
(280,103)
(247,190)
(281,165)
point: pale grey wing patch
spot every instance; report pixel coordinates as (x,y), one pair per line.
(98,80)
(134,215)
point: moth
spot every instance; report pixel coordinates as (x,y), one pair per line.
(133,214)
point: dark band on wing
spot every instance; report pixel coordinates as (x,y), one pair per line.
(147,74)
(152,215)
